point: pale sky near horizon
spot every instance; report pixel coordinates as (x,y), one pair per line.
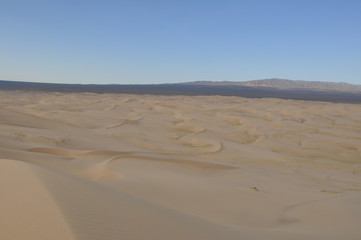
(180,41)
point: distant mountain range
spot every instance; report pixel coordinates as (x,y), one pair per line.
(267,88)
(287,84)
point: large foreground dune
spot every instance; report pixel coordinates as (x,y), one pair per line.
(115,166)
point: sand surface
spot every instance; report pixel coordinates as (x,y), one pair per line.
(115,166)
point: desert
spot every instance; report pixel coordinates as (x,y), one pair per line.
(82,165)
(180,120)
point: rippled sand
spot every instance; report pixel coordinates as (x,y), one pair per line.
(115,166)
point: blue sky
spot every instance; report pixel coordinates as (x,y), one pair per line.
(178,41)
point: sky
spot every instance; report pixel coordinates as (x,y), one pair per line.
(135,41)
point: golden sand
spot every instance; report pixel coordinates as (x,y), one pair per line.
(115,166)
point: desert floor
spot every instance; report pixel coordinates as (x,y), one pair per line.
(114,166)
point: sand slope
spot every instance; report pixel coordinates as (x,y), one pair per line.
(108,166)
(28,210)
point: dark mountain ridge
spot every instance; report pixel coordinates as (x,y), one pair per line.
(289,84)
(192,89)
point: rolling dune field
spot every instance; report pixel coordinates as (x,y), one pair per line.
(120,166)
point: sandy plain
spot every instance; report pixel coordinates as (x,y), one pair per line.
(117,166)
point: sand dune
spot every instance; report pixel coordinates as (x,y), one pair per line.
(28,210)
(117,166)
